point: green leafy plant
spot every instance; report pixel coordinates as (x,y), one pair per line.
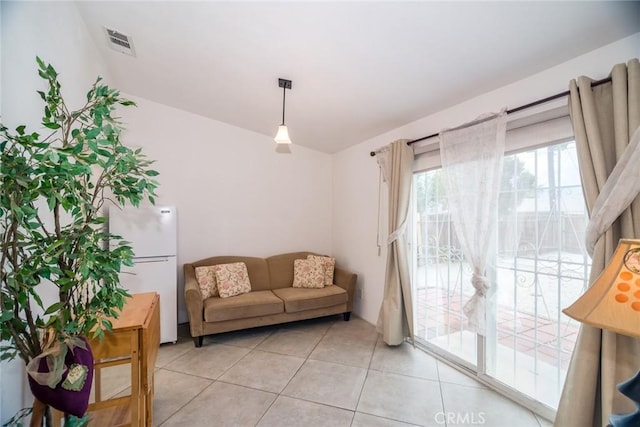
(52,192)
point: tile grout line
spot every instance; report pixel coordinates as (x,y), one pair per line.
(292,376)
(366,375)
(238,361)
(174,359)
(393,373)
(441,393)
(189,401)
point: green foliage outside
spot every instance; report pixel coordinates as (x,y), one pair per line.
(517,183)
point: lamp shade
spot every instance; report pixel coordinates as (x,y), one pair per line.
(613,300)
(282,137)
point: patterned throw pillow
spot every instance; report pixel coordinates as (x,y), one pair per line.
(329,265)
(206,277)
(233,279)
(308,274)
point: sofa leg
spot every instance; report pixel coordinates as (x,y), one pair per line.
(198,341)
(346,316)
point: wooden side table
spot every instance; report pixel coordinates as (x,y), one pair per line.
(134,339)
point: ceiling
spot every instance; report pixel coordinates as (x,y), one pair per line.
(358,68)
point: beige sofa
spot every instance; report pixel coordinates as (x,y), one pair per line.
(272,298)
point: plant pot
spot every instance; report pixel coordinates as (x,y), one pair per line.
(71,394)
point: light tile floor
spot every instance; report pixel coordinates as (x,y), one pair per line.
(322,372)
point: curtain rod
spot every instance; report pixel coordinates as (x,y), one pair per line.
(514,110)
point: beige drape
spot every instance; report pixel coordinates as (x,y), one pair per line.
(395,321)
(603,118)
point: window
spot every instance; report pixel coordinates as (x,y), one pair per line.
(538,266)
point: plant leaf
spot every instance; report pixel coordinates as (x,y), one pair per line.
(54,307)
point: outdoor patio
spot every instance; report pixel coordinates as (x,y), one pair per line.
(529,340)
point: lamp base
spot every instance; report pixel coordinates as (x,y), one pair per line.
(631,389)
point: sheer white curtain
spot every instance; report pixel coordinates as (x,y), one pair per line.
(472,164)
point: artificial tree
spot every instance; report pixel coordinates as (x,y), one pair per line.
(53,190)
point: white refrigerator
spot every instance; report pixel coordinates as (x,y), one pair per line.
(152,233)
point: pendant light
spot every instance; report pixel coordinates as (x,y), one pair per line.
(282,137)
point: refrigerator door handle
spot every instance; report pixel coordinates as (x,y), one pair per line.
(149,261)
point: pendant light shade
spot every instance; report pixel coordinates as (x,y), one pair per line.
(282,137)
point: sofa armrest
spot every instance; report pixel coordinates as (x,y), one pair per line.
(193,300)
(347,281)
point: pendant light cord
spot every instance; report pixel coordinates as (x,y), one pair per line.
(284,95)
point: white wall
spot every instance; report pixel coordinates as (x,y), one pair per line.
(234,194)
(355,183)
(55,32)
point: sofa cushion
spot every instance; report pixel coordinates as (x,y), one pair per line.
(232,279)
(300,299)
(257,268)
(206,277)
(281,268)
(253,304)
(308,273)
(328,264)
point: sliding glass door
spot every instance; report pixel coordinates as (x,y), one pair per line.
(538,266)
(440,273)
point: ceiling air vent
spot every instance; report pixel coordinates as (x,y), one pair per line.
(120,42)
